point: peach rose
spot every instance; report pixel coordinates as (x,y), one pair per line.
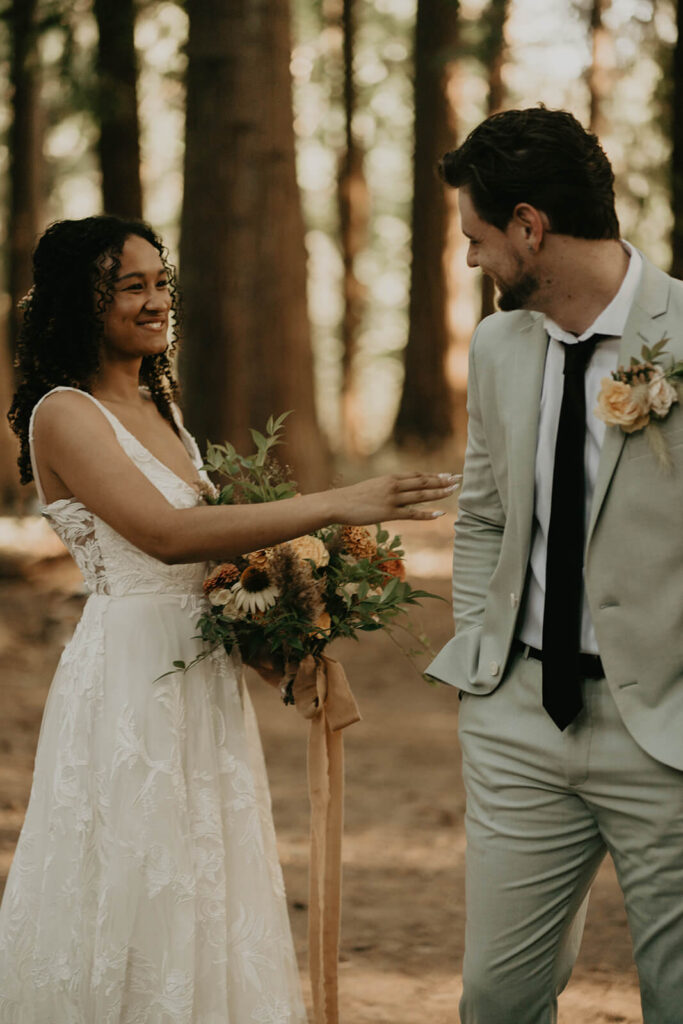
(623,405)
(662,394)
(311,547)
(322,625)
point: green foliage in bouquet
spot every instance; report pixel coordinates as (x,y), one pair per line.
(293,599)
(251,479)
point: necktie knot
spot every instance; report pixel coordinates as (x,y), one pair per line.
(577,356)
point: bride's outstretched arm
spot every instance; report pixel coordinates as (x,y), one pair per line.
(78,446)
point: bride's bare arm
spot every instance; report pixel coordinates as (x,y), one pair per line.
(76,444)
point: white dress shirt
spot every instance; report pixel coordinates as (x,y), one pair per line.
(610,322)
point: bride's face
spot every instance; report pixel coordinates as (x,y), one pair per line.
(135,323)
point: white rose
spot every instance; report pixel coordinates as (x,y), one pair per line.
(220,597)
(662,394)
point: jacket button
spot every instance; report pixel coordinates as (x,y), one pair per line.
(495,668)
(514,600)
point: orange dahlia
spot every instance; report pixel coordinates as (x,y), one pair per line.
(393,568)
(223,576)
(358,542)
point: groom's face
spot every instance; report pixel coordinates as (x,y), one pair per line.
(500,254)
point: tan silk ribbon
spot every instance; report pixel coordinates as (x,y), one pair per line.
(322,694)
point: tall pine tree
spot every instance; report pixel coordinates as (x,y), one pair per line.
(247,350)
(426,407)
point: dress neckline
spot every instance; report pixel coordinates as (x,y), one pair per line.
(183,438)
(184,434)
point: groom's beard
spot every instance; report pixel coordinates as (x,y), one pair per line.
(517,295)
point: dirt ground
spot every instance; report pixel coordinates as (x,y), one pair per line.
(404,844)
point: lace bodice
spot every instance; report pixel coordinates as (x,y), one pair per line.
(109,563)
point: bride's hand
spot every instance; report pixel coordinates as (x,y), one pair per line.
(383,498)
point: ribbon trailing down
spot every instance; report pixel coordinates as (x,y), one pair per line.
(322,694)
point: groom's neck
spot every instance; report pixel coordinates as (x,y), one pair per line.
(578,278)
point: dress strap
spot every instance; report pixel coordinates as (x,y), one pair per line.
(186,437)
(110,416)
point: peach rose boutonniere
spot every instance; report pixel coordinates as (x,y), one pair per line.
(638,395)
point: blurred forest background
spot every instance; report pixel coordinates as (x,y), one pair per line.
(286,151)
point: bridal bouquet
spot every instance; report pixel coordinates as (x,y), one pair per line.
(280,607)
(289,601)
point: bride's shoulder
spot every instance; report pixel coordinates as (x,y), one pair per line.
(68,410)
(62,399)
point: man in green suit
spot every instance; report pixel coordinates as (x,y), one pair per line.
(568,575)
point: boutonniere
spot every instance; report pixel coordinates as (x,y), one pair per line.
(638,395)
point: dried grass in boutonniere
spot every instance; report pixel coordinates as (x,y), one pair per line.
(638,395)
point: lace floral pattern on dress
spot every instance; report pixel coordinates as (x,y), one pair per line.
(146,887)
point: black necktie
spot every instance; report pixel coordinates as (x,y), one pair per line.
(564,569)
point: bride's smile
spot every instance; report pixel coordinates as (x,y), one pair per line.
(135,321)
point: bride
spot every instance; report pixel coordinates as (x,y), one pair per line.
(145,887)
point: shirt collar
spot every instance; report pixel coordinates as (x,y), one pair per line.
(612,320)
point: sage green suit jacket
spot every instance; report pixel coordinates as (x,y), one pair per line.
(634,552)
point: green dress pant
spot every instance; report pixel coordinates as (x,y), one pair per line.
(543,807)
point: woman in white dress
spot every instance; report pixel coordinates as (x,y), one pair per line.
(145,887)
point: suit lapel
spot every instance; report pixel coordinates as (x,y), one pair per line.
(644,326)
(527,386)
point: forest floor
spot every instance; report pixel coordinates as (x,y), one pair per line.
(404,846)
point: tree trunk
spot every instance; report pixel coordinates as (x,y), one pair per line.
(493,55)
(599,72)
(426,406)
(677,151)
(119,141)
(243,261)
(10,488)
(353,223)
(24,215)
(25,157)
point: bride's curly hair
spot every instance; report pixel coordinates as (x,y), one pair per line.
(75,265)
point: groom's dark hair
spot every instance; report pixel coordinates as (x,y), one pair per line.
(541,157)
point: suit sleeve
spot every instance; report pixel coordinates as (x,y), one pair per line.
(481,516)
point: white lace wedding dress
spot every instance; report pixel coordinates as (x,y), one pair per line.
(145,887)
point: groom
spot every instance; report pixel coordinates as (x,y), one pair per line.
(568,577)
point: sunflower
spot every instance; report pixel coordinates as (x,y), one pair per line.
(254,591)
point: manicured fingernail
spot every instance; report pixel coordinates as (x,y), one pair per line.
(435,515)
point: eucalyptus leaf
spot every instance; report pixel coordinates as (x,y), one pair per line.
(391,586)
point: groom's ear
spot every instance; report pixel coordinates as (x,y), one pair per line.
(528,226)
